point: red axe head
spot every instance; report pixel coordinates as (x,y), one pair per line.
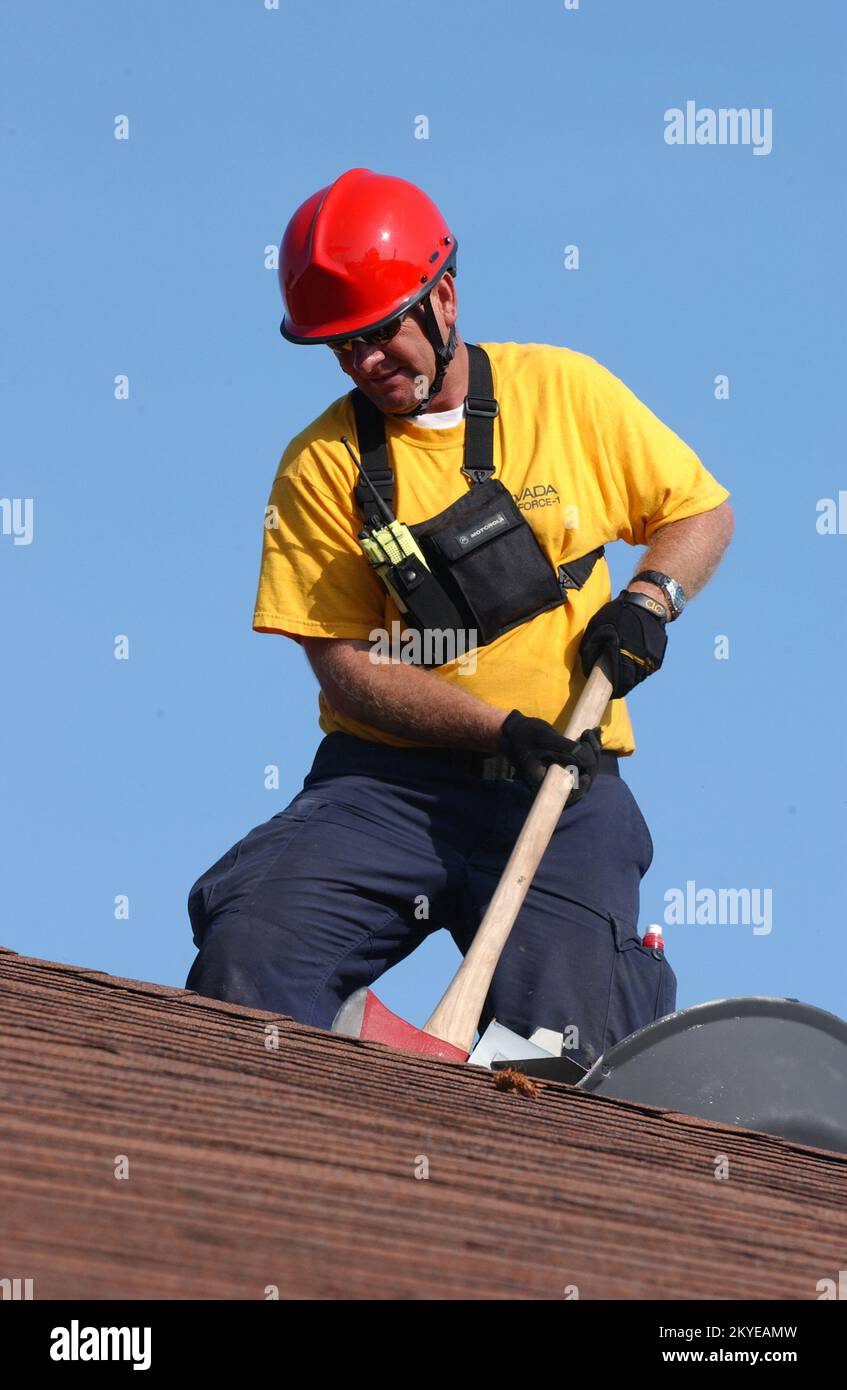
(363,1016)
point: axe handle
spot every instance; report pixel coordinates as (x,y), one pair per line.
(456,1016)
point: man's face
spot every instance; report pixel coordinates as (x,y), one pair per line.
(396,376)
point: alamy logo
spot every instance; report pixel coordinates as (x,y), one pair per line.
(832,1289)
(832,515)
(16,1288)
(77,1343)
(16,519)
(432,646)
(710,907)
(728,125)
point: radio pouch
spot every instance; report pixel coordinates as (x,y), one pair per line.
(489,561)
(486,570)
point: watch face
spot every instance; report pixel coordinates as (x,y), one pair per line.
(676,594)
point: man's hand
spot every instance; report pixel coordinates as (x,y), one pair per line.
(630,637)
(532,745)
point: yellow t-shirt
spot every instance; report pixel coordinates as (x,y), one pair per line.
(587,463)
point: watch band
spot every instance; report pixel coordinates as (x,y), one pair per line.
(673,592)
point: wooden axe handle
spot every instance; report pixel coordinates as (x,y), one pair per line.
(457,1015)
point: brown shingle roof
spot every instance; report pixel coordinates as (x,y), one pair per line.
(295,1167)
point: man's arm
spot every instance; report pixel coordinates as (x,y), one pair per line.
(413,703)
(689,551)
(401,699)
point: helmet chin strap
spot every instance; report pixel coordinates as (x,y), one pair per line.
(444,354)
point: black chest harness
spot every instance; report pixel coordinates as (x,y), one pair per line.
(477,569)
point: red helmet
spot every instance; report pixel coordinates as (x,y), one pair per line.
(357,253)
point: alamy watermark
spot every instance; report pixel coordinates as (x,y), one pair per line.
(728,125)
(434,646)
(16,519)
(17,1289)
(83,1343)
(709,907)
(831,517)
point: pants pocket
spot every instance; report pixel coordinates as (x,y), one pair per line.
(642,988)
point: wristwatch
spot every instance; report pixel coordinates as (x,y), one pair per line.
(673,592)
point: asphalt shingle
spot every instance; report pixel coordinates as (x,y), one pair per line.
(262,1154)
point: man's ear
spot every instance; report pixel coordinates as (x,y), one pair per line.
(445,296)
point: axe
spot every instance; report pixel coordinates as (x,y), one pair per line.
(449,1032)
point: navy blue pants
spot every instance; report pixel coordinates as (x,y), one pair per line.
(385,845)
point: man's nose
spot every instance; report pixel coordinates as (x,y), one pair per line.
(367,357)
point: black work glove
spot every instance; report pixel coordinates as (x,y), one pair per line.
(532,745)
(631,638)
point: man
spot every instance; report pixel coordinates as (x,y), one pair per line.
(513,465)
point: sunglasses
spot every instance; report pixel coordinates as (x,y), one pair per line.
(377,338)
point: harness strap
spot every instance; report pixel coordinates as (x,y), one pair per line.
(481,410)
(373,452)
(574,574)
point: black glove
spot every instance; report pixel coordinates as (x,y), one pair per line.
(531,745)
(632,639)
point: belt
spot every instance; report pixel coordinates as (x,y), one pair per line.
(341,754)
(490,767)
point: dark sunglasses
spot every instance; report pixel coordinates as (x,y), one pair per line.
(377,338)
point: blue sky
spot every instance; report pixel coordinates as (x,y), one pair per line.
(147,257)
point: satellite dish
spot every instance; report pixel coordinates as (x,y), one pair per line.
(769,1064)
